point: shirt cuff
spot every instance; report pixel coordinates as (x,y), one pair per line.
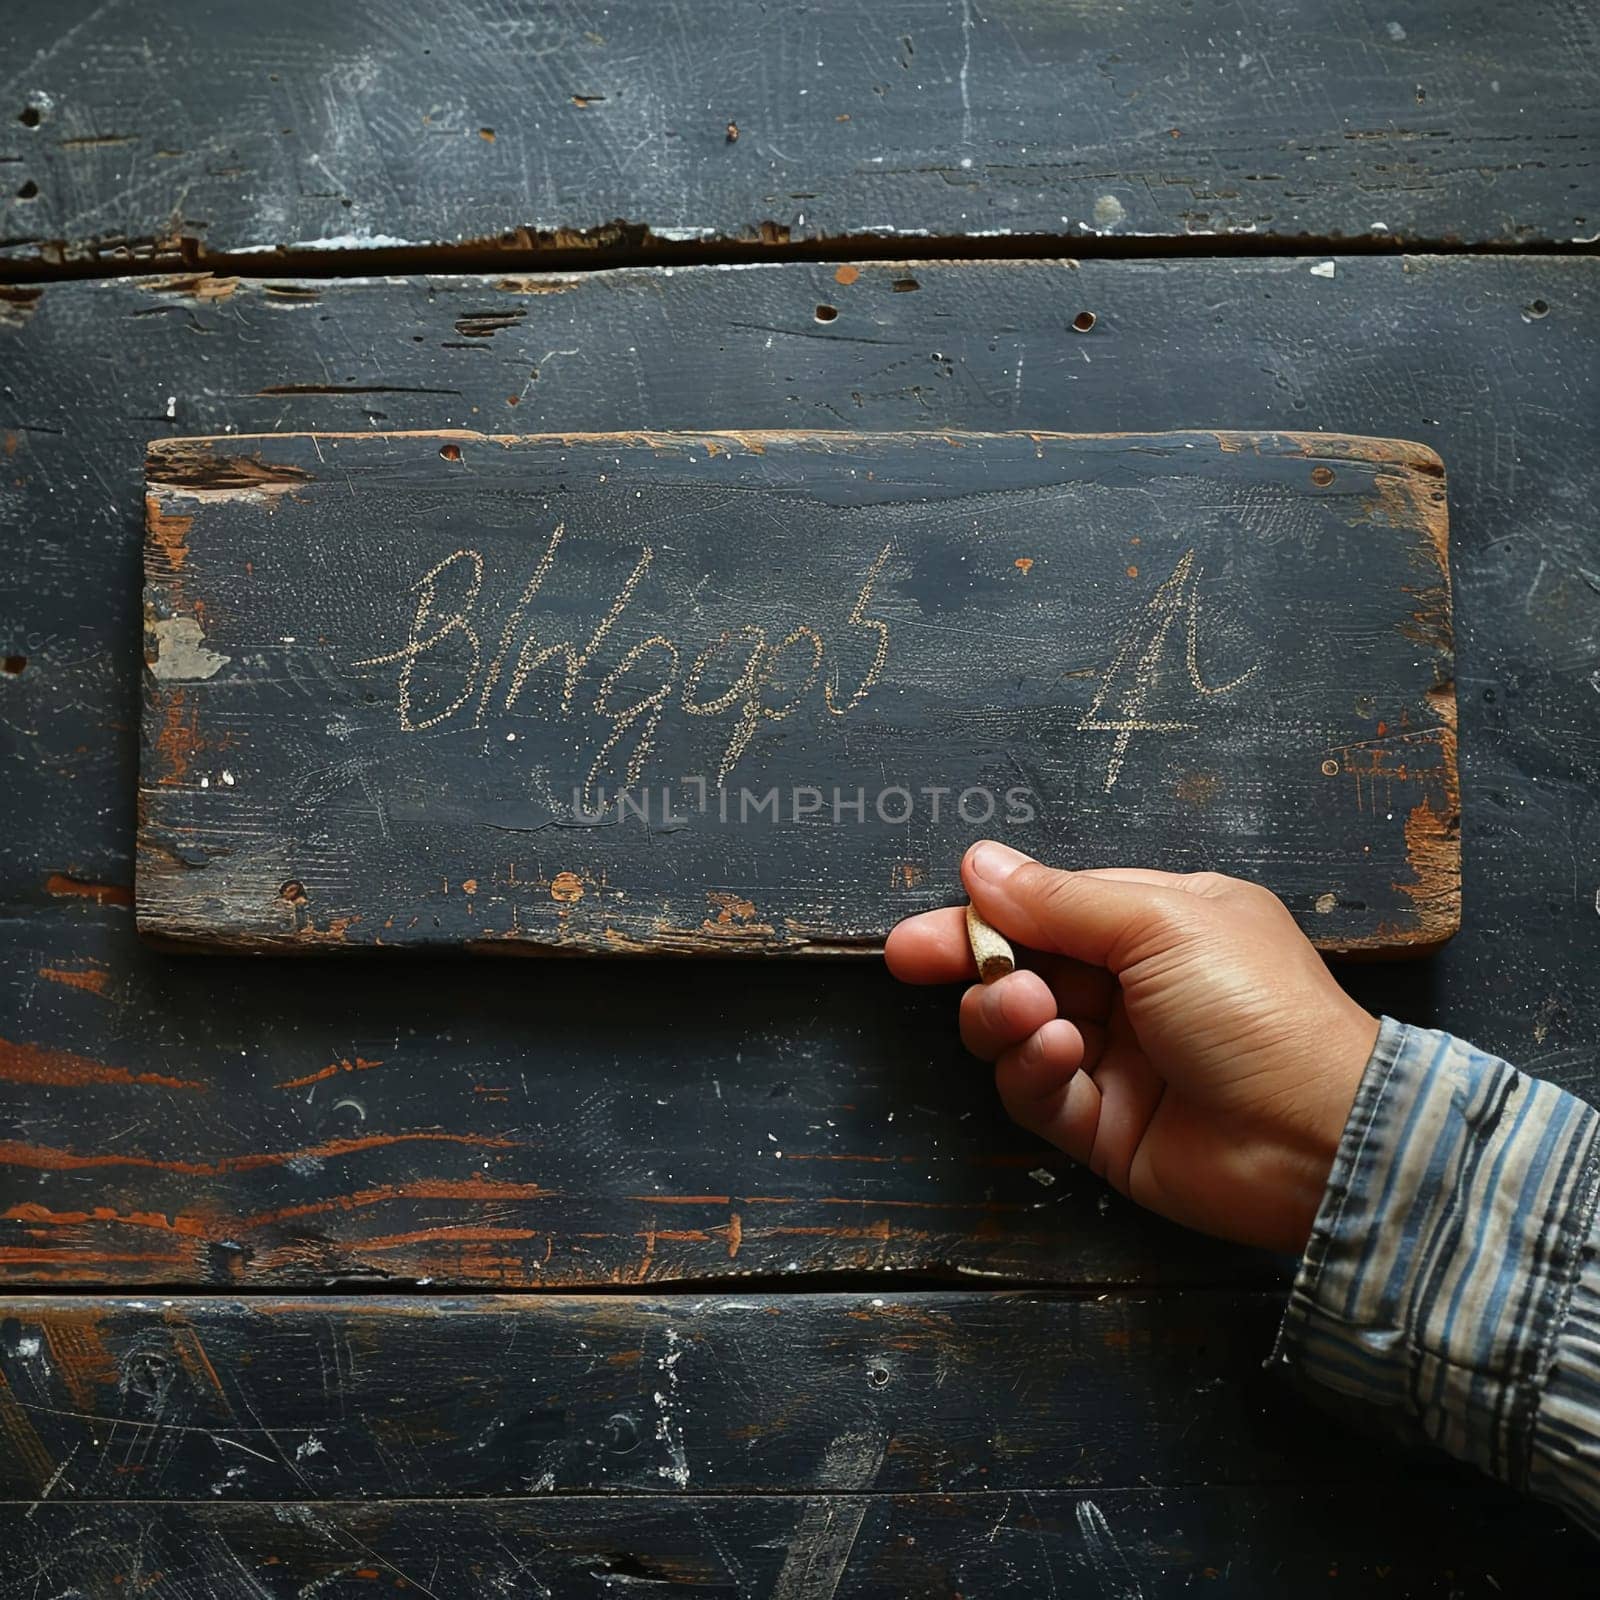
(1451,1272)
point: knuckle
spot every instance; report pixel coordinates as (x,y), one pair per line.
(1054,891)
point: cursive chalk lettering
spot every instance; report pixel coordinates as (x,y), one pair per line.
(742,674)
(419,642)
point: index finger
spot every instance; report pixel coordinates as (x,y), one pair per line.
(931,947)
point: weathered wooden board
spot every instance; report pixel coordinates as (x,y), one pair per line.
(151,1133)
(757,692)
(1128,1543)
(516,1125)
(401,1397)
(952,1420)
(182,129)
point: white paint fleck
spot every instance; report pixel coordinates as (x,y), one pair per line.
(1395,31)
(337,241)
(227,777)
(1323,269)
(181,654)
(1043,1177)
(1108,212)
(669,1431)
(312,1447)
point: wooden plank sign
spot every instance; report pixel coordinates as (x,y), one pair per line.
(757,692)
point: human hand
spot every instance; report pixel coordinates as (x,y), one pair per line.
(1175,1032)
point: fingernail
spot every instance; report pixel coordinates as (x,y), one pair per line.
(994,863)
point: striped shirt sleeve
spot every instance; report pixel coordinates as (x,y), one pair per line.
(1453,1273)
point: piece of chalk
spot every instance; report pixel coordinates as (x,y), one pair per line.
(989,948)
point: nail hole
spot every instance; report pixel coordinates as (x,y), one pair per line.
(293,891)
(827,313)
(29,116)
(1084,321)
(1322,476)
(1330,769)
(28,190)
(905,285)
(451,452)
(877,1376)
(1538,309)
(15,664)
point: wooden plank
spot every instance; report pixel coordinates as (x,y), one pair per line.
(1111,1544)
(180,132)
(1458,351)
(396,1397)
(240,1123)
(757,692)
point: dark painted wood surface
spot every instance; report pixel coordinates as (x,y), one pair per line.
(1131,1543)
(138,130)
(174,1120)
(877,1444)
(757,692)
(388,1396)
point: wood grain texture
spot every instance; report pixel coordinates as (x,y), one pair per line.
(286,1169)
(1129,1543)
(757,692)
(516,1125)
(400,1397)
(176,132)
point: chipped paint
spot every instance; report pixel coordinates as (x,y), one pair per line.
(93,979)
(167,530)
(204,287)
(180,652)
(64,886)
(40,1064)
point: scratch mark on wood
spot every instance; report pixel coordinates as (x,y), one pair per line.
(826,1534)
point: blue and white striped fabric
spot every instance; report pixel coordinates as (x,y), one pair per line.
(1452,1272)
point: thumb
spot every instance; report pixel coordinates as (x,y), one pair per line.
(1091,918)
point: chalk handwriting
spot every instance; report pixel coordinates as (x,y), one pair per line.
(419,642)
(1135,675)
(741,675)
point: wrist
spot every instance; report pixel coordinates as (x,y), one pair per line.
(1341,1053)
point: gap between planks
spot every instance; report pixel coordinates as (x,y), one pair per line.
(620,245)
(801,1286)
